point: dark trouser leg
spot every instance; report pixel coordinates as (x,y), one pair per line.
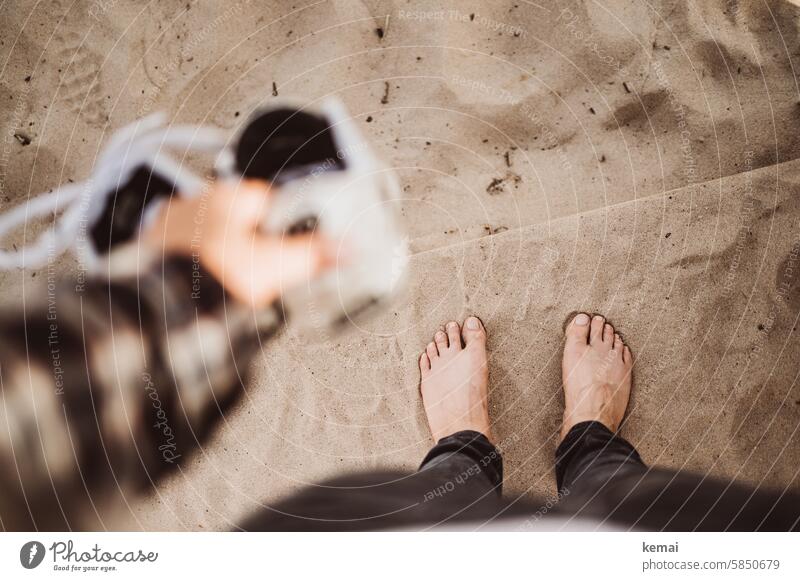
(465,464)
(460,479)
(590,456)
(600,476)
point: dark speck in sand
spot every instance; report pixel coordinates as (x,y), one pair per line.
(495,187)
(498,185)
(385,98)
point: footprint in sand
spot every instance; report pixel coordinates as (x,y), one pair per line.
(79,81)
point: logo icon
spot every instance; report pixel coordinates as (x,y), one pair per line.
(31,554)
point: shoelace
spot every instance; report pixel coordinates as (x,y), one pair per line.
(139,144)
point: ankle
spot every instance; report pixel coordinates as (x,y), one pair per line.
(477,426)
(571,420)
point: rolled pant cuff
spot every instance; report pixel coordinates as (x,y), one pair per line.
(587,448)
(476,447)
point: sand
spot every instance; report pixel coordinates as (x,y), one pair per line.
(633,158)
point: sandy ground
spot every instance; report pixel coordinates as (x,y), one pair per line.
(633,158)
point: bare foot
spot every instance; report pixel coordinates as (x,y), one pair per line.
(455,379)
(596,370)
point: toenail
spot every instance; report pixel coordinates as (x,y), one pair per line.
(582,319)
(452,325)
(473,323)
(440,336)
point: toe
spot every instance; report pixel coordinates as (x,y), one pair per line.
(424,363)
(432,352)
(441,341)
(627,356)
(596,332)
(473,331)
(618,344)
(454,335)
(578,329)
(608,334)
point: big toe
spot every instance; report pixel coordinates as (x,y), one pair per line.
(578,330)
(473,331)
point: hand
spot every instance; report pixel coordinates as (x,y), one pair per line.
(221,228)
